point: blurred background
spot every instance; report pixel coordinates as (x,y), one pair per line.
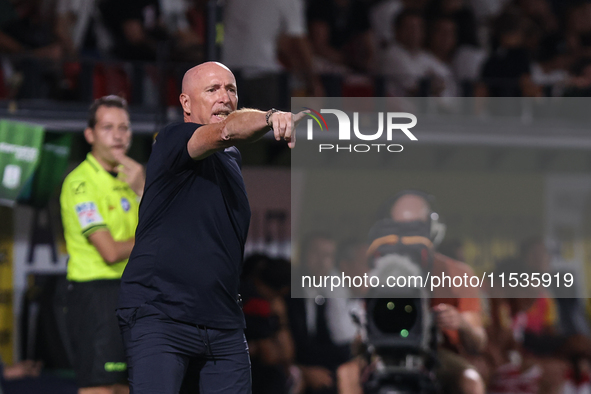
(500,178)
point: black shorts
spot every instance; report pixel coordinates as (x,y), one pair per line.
(99,356)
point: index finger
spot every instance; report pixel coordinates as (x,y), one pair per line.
(296,118)
(291,140)
(299,116)
(125,160)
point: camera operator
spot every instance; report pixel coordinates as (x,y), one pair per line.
(457,311)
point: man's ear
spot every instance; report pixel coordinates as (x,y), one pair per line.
(89,135)
(185,103)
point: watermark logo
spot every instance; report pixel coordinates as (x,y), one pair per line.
(350,131)
(315,115)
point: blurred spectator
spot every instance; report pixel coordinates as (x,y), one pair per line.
(528,330)
(461,14)
(383,14)
(486,10)
(322,327)
(580,83)
(510,371)
(517,324)
(254,29)
(134,28)
(80,29)
(264,286)
(27,33)
(340,34)
(352,261)
(506,73)
(143,30)
(410,70)
(550,71)
(578,28)
(467,66)
(442,43)
(573,318)
(458,65)
(537,20)
(540,12)
(196,15)
(187,44)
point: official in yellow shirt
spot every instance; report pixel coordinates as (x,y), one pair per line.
(99,206)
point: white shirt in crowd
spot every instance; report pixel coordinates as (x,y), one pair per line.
(84,12)
(404,71)
(556,79)
(252,28)
(381,17)
(467,63)
(338,313)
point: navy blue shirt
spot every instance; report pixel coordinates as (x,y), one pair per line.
(189,245)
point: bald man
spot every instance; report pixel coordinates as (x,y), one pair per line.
(179,311)
(457,311)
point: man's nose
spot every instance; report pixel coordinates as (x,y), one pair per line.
(119,134)
(223,96)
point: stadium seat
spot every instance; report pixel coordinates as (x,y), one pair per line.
(111,79)
(358,86)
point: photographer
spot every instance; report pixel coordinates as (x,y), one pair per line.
(457,311)
(399,248)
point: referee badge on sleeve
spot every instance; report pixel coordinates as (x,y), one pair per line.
(125,204)
(88,214)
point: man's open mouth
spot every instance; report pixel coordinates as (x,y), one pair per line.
(221,115)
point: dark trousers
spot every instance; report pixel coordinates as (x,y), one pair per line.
(169,357)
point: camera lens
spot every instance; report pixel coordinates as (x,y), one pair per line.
(395,315)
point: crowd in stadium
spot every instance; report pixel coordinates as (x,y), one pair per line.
(332,47)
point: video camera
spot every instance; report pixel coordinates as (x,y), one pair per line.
(401,336)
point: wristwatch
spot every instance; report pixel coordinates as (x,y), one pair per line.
(268,115)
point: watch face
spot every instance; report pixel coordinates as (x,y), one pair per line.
(269,113)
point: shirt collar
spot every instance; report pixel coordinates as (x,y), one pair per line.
(95,165)
(93,162)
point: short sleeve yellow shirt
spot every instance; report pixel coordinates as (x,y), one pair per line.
(92,199)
